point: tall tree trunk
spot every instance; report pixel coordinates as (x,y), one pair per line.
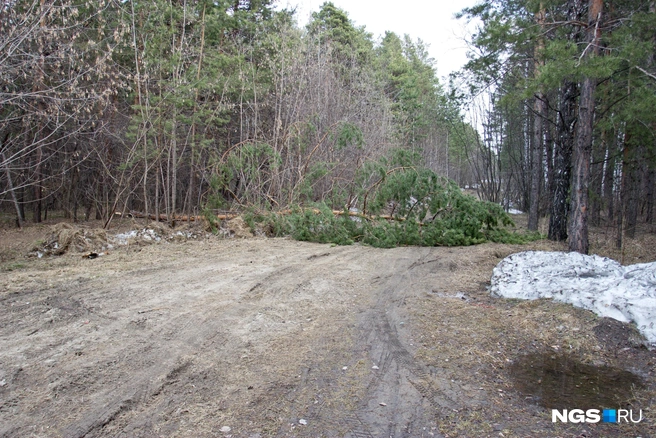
(549,150)
(630,187)
(650,181)
(609,175)
(174,166)
(139,100)
(192,165)
(536,165)
(563,162)
(21,200)
(578,229)
(597,176)
(37,190)
(622,193)
(10,185)
(156,196)
(74,189)
(537,146)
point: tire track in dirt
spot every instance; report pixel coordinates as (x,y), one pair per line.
(301,274)
(188,339)
(425,384)
(296,269)
(356,426)
(376,341)
(397,369)
(169,363)
(256,340)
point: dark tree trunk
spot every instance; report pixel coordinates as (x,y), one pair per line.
(21,202)
(10,184)
(621,199)
(37,190)
(650,174)
(597,176)
(563,162)
(609,175)
(630,189)
(650,181)
(632,205)
(549,149)
(578,225)
(630,185)
(536,164)
(537,145)
(620,217)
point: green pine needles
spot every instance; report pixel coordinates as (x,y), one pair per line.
(395,202)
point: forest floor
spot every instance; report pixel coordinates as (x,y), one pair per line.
(268,337)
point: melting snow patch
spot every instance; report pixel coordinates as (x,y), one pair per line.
(625,293)
(122,238)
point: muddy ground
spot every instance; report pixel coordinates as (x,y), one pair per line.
(276,338)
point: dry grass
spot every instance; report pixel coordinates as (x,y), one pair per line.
(603,241)
(484,336)
(474,340)
(641,249)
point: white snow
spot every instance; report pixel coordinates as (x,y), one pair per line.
(122,238)
(625,293)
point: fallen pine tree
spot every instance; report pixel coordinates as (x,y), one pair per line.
(228,216)
(468,222)
(391,202)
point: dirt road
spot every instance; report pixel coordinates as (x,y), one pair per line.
(271,337)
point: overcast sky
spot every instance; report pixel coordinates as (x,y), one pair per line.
(430,20)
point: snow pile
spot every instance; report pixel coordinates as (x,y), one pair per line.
(625,293)
(145,235)
(154,235)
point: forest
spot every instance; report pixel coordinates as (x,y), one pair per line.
(180,108)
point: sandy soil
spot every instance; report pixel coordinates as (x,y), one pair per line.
(277,338)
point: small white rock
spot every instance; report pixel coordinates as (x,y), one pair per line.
(382,404)
(225,429)
(3,382)
(375,367)
(302,421)
(344,368)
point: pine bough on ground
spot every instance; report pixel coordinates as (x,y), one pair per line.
(625,293)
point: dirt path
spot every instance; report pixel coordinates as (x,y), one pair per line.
(267,337)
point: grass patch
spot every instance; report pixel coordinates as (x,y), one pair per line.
(14,266)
